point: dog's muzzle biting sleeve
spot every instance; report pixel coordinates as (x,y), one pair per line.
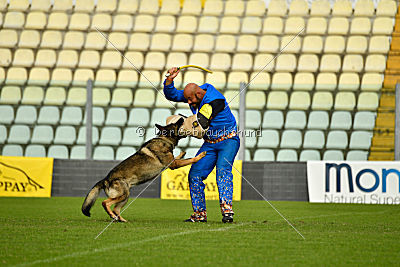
(194,126)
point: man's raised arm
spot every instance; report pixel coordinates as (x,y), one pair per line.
(170,92)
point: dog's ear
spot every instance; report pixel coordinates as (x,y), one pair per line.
(180,122)
(159,127)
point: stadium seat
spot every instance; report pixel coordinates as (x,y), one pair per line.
(25,115)
(312,44)
(291,139)
(73,40)
(144,23)
(357,155)
(295,119)
(281,81)
(186,24)
(128,6)
(314,139)
(322,101)
(105,77)
(246,43)
(160,42)
(85,6)
(95,41)
(101,96)
(334,44)
(18,134)
(255,8)
(220,61)
(208,24)
(170,7)
(333,155)
(79,22)
(18,5)
(71,116)
(8,38)
(149,7)
(55,96)
(326,81)
(320,8)
(110,60)
(234,8)
(379,44)
(242,62)
(35,20)
(58,151)
(7,114)
(341,120)
(232,97)
(39,76)
(268,44)
(250,140)
(78,152)
(259,81)
(193,77)
(123,152)
(98,116)
(294,25)
(35,151)
(339,26)
(303,81)
(308,63)
(286,155)
(364,120)
(101,22)
(361,26)
(290,44)
(103,153)
(264,155)
(176,59)
(133,60)
(251,25)
(349,81)
(229,25)
(235,78)
(213,8)
(217,79)
(371,82)
(345,101)
(12,150)
(81,140)
(182,42)
(81,76)
(360,140)
(332,63)
(122,97)
(76,96)
(307,155)
(277,8)
(316,25)
(204,43)
(106,6)
(151,75)
(67,59)
(65,135)
(23,58)
(383,26)
(277,100)
(48,115)
(342,8)
(299,101)
(10,95)
(268,139)
(286,62)
(127,78)
(139,117)
(364,8)
(16,76)
(139,42)
(337,140)
(5,57)
(225,43)
(122,22)
(165,23)
(110,136)
(375,63)
(116,117)
(144,98)
(57,21)
(386,8)
(356,44)
(29,39)
(255,99)
(52,39)
(253,119)
(42,134)
(14,20)
(368,101)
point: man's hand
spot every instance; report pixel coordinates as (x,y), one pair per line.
(173,72)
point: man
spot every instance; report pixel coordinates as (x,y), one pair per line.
(221,143)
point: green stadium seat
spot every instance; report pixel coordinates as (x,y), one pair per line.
(76,96)
(12,150)
(48,115)
(124,152)
(65,135)
(364,120)
(35,151)
(116,117)
(58,152)
(55,96)
(7,114)
(314,139)
(3,134)
(78,152)
(333,155)
(152,131)
(132,137)
(26,115)
(269,139)
(19,134)
(291,139)
(139,117)
(337,140)
(159,116)
(357,155)
(42,134)
(103,153)
(341,120)
(273,119)
(264,155)
(82,135)
(33,95)
(97,116)
(101,96)
(122,97)
(110,136)
(318,120)
(71,116)
(286,155)
(360,140)
(253,119)
(306,155)
(295,119)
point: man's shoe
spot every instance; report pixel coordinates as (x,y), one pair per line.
(227,218)
(197,217)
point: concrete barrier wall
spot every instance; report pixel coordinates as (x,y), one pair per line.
(275,180)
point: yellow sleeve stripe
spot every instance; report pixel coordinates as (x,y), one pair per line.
(206,111)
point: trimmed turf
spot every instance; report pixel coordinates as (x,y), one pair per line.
(54,232)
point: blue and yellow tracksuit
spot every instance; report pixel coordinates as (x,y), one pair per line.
(222,123)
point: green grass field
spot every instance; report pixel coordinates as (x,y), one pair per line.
(54,232)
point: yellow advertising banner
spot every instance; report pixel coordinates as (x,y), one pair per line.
(25,176)
(175,184)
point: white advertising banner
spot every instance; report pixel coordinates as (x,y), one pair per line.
(363,182)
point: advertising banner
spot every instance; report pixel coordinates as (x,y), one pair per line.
(175,184)
(25,176)
(363,182)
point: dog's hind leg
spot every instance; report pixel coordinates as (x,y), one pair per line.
(118,207)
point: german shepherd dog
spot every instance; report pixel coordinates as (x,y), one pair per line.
(145,165)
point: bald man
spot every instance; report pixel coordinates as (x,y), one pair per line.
(220,141)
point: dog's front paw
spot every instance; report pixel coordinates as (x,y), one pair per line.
(182,154)
(201,155)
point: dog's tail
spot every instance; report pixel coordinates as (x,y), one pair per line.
(91,198)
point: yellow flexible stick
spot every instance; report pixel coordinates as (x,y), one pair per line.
(191,66)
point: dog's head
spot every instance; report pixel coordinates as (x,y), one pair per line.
(174,123)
